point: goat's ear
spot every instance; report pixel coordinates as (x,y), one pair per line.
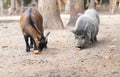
(47,35)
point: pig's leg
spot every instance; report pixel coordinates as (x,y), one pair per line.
(95,38)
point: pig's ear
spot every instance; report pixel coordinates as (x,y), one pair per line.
(73,31)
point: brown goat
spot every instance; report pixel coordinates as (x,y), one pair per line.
(31,23)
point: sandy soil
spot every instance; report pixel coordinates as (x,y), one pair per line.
(61,58)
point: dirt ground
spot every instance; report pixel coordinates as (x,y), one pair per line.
(61,58)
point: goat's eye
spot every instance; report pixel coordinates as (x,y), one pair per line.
(38,39)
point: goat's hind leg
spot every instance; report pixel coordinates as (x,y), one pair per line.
(31,42)
(27,43)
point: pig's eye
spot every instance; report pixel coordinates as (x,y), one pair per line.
(76,36)
(83,37)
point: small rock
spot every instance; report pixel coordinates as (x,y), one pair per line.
(106,57)
(112,47)
(114,40)
(4,46)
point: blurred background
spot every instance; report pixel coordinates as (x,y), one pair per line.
(16,7)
